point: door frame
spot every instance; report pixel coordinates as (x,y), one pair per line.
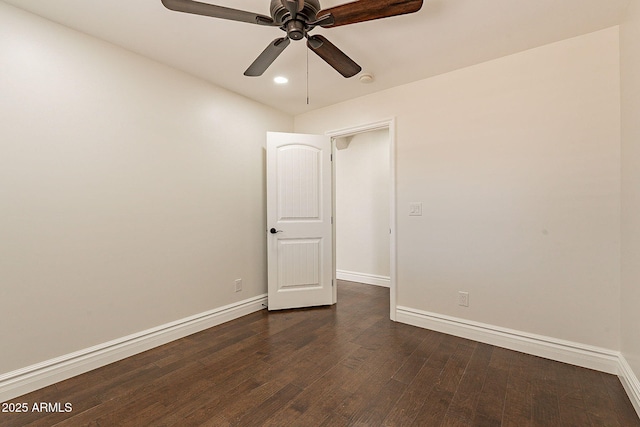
(390,125)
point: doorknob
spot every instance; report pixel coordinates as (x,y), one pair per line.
(274,231)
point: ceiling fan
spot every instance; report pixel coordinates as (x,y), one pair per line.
(297,18)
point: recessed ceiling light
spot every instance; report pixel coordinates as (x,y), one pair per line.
(281,80)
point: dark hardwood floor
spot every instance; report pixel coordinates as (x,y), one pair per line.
(333,366)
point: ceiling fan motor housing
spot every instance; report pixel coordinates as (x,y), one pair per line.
(295,29)
(281,15)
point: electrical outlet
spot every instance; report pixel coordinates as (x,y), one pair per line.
(463,299)
(238,285)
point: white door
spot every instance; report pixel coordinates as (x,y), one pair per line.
(299,230)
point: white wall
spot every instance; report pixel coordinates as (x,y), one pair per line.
(131,194)
(362,204)
(630,72)
(517,163)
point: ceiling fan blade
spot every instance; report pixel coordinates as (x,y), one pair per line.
(205,9)
(333,56)
(267,57)
(367,10)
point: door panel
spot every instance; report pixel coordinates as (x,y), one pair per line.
(299,243)
(304,256)
(299,185)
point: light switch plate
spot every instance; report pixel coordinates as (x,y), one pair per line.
(415,209)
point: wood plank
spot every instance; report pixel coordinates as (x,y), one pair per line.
(461,412)
(418,357)
(492,399)
(621,404)
(544,396)
(600,407)
(518,405)
(573,410)
(413,399)
(433,412)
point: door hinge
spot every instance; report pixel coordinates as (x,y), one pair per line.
(331,220)
(331,155)
(332,285)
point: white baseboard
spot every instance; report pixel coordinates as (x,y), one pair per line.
(591,357)
(366,278)
(630,383)
(586,356)
(34,377)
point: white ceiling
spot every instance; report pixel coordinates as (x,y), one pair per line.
(443,36)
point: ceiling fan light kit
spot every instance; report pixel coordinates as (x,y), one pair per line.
(297,18)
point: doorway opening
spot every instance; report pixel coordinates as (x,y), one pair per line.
(364,206)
